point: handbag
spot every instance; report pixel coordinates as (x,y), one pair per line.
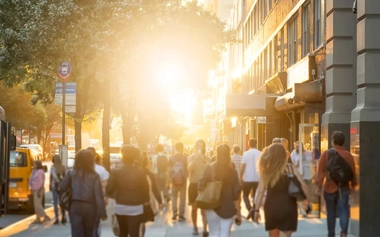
(115,226)
(65,198)
(209,197)
(294,188)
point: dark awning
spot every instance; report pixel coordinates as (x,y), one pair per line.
(248,105)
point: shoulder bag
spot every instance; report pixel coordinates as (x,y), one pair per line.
(209,197)
(294,189)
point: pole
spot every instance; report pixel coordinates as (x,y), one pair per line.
(63,112)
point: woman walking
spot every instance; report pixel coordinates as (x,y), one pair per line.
(37,183)
(129,186)
(280,208)
(220,219)
(87,201)
(57,173)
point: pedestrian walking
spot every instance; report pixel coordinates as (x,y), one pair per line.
(130,187)
(197,163)
(249,175)
(220,219)
(104,175)
(160,164)
(37,184)
(337,176)
(307,165)
(236,161)
(280,208)
(57,174)
(178,177)
(87,204)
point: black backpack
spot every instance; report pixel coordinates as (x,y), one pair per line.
(162,165)
(338,170)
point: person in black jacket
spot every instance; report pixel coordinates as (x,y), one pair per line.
(129,186)
(87,200)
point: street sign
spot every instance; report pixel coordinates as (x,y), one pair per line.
(71,93)
(71,109)
(64,70)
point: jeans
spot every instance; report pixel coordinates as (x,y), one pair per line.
(181,191)
(56,203)
(338,199)
(247,187)
(83,219)
(130,226)
(218,227)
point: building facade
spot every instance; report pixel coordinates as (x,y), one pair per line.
(302,70)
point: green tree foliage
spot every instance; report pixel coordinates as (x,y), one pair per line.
(118,42)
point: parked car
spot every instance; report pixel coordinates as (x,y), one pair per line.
(37,148)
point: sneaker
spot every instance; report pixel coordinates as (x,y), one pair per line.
(56,222)
(181,218)
(174,218)
(195,231)
(205,234)
(64,221)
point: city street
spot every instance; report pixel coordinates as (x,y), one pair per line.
(15,215)
(163,227)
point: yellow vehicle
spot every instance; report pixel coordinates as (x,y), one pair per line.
(20,169)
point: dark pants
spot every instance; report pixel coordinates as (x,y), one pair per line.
(333,201)
(130,226)
(247,187)
(83,219)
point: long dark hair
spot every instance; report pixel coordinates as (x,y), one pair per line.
(38,165)
(59,167)
(84,161)
(223,163)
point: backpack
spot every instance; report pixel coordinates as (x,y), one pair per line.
(338,170)
(178,172)
(162,165)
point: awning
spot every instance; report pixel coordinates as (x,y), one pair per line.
(287,102)
(249,105)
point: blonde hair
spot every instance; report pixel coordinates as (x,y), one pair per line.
(272,164)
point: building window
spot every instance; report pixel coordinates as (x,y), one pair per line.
(305,30)
(318,23)
(292,41)
(275,54)
(265,65)
(265,6)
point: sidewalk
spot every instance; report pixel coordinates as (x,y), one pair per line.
(163,227)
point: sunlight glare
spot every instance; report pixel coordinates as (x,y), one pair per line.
(168,74)
(183,103)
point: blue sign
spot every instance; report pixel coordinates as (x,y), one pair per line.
(64,70)
(71,88)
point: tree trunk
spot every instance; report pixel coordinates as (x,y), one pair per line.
(106,126)
(78,134)
(125,126)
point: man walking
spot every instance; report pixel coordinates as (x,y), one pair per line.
(249,174)
(178,175)
(236,161)
(337,175)
(160,164)
(197,163)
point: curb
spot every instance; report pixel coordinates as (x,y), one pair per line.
(32,217)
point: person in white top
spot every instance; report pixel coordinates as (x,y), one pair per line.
(104,176)
(307,166)
(249,175)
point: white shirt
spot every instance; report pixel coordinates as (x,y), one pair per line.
(102,172)
(307,166)
(250,159)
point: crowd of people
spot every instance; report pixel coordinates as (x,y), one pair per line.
(142,186)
